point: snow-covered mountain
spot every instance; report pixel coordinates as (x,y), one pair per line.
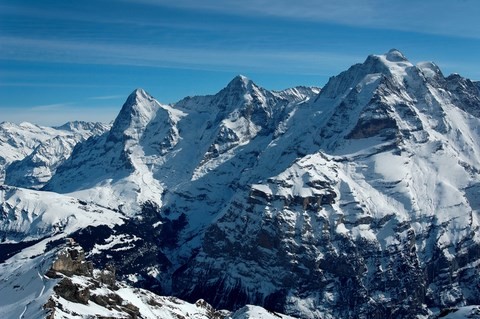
(359,200)
(380,217)
(153,147)
(30,154)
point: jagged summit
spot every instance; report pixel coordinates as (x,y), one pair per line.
(138,95)
(81,126)
(142,94)
(393,55)
(239,80)
(240,84)
(393,65)
(233,92)
(73,125)
(239,90)
(138,110)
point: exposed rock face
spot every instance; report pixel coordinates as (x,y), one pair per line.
(211,312)
(71,261)
(71,292)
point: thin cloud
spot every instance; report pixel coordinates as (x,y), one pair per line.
(441,17)
(59,85)
(50,107)
(97,17)
(306,62)
(107,97)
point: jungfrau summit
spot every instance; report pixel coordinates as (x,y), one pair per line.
(357,200)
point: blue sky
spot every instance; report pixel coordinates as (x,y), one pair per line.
(66,60)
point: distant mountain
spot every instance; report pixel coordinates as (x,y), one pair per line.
(357,200)
(30,153)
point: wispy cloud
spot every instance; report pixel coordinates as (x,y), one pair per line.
(442,17)
(300,62)
(107,97)
(59,85)
(98,17)
(50,107)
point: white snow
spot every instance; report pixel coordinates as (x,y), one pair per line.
(468,312)
(23,289)
(255,312)
(122,240)
(34,214)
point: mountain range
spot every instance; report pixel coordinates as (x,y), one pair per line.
(357,200)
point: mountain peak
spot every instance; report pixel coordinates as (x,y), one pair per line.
(392,64)
(395,55)
(386,62)
(137,95)
(242,78)
(430,70)
(236,91)
(240,81)
(137,111)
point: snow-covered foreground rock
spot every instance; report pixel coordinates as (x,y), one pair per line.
(44,281)
(359,200)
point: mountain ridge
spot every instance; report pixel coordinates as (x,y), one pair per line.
(19,143)
(307,202)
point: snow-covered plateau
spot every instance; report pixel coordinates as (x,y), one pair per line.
(357,200)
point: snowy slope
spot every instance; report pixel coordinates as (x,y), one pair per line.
(17,141)
(470,312)
(28,215)
(31,225)
(24,288)
(255,312)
